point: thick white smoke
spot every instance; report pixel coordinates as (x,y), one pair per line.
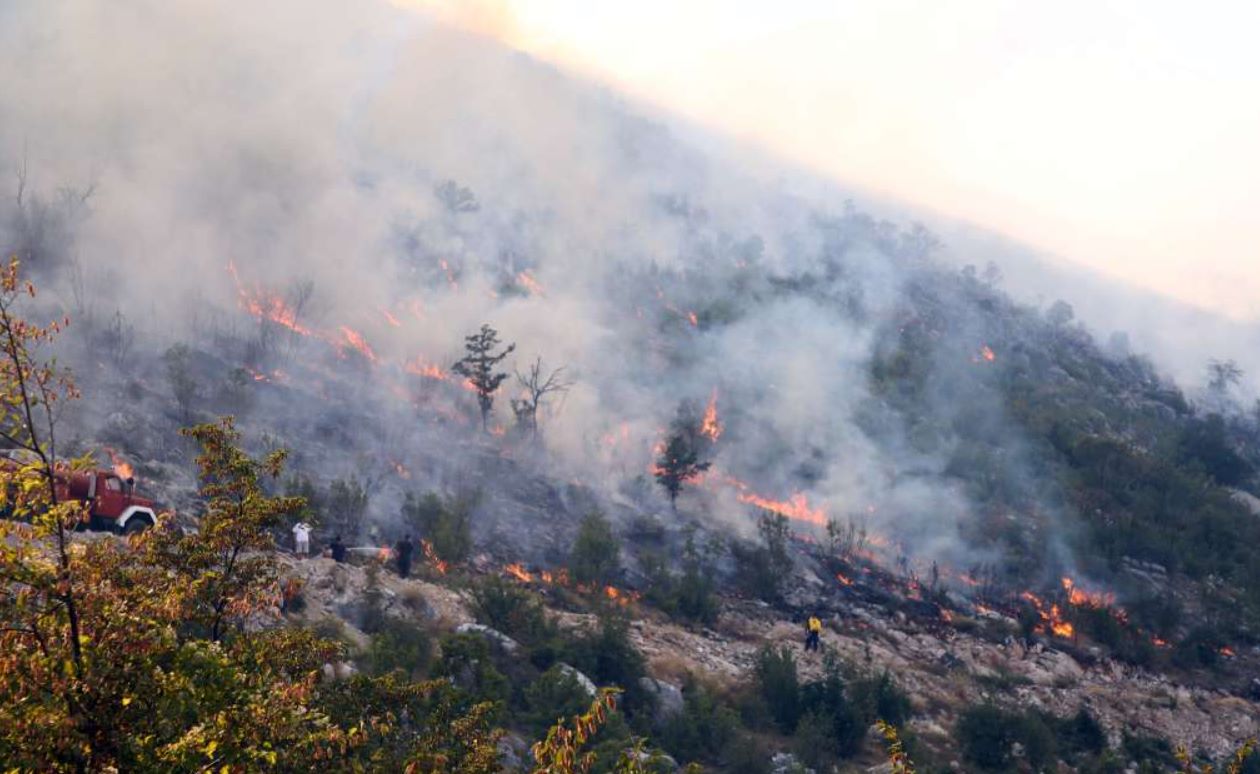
(302,144)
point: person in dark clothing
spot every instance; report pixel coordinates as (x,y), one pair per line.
(403,551)
(337,549)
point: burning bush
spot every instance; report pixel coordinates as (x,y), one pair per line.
(446,524)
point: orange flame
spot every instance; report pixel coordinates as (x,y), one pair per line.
(1080,598)
(384,553)
(122,468)
(710,427)
(691,318)
(432,557)
(354,340)
(267,306)
(1051,617)
(419,367)
(844,581)
(390,318)
(519,572)
(795,507)
(531,285)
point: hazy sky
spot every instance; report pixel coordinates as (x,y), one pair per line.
(1121,135)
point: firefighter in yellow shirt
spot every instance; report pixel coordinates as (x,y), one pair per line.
(815,628)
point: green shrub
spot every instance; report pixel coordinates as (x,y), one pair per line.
(607,656)
(398,645)
(466,660)
(688,595)
(828,700)
(879,698)
(345,507)
(447,525)
(1149,752)
(554,695)
(814,743)
(987,736)
(778,686)
(594,558)
(763,568)
(1079,734)
(704,729)
(1200,648)
(518,613)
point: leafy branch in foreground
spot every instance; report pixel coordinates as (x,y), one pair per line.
(897,757)
(1236,761)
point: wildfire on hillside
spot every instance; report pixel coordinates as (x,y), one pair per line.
(561,578)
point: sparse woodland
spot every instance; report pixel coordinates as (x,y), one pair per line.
(1031,550)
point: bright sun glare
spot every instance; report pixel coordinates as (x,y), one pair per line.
(1116,135)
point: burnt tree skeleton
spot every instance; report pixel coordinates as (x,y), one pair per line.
(536,389)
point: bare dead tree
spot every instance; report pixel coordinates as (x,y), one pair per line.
(21,172)
(536,389)
(300,295)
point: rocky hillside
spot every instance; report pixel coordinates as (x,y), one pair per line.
(945,666)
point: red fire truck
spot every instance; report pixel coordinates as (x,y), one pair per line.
(113,504)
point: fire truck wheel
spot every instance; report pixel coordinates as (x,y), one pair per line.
(137,524)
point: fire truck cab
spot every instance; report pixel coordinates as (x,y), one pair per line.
(112,502)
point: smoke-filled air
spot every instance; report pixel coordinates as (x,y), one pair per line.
(450,278)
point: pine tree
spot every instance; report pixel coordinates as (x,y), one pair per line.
(478,366)
(681,459)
